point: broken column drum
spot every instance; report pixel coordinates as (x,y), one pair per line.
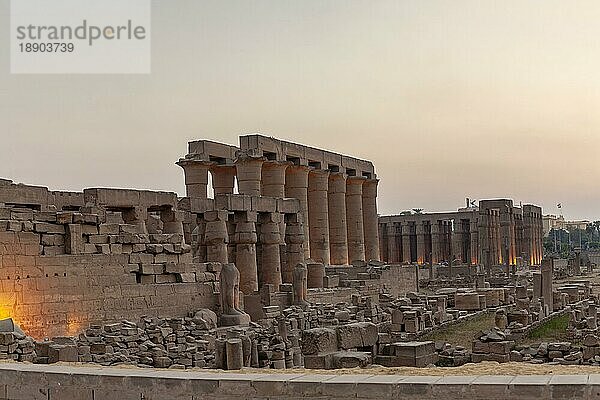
(316,274)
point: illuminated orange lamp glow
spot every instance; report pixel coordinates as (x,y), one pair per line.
(7,306)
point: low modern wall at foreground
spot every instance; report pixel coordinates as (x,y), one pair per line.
(64,382)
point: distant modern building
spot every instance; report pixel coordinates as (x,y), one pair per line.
(491,233)
(551,221)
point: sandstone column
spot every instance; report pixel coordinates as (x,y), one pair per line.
(498,237)
(457,240)
(406,253)
(354,218)
(539,236)
(392,243)
(296,186)
(196,177)
(273,178)
(318,216)
(270,239)
(483,231)
(370,219)
(436,242)
(420,242)
(249,173)
(474,244)
(245,239)
(223,178)
(338,234)
(216,236)
(294,240)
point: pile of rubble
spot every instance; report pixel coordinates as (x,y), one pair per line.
(16,346)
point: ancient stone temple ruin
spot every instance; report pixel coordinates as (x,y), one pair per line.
(74,258)
(495,233)
(274,258)
(335,197)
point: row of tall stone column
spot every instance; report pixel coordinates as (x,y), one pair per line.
(490,239)
(339,211)
(266,255)
(432,240)
(533,234)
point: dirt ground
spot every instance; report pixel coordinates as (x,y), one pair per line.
(483,368)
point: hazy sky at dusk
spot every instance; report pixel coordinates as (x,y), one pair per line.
(449,99)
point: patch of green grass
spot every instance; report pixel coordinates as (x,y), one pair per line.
(554,330)
(463,333)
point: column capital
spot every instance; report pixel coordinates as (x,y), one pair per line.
(319,172)
(356,180)
(371,182)
(333,175)
(221,167)
(295,168)
(245,158)
(196,176)
(276,164)
(391,228)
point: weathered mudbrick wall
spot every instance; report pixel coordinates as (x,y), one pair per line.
(113,272)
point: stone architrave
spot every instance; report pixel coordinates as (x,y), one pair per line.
(300,285)
(230,297)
